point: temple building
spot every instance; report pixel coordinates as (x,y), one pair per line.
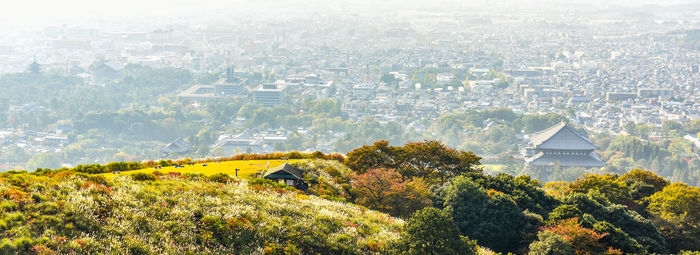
(561,145)
(34,67)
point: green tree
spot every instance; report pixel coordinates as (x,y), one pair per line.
(550,243)
(430,160)
(378,155)
(636,226)
(433,231)
(643,183)
(43,160)
(490,217)
(612,188)
(676,210)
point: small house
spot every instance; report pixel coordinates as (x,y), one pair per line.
(287,174)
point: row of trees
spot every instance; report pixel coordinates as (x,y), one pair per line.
(638,212)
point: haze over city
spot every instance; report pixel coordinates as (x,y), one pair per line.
(350,127)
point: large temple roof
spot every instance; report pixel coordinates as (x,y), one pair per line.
(561,137)
(588,160)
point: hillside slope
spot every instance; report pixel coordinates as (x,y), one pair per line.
(67,212)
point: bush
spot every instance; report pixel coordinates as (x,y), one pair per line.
(143,177)
(220,177)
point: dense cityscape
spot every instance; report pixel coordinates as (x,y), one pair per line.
(327,77)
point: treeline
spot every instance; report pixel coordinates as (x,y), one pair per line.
(675,158)
(490,132)
(638,212)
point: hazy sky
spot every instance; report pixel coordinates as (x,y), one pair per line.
(43,12)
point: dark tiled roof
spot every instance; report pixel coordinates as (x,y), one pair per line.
(589,160)
(289,169)
(177,146)
(562,137)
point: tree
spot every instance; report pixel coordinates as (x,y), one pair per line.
(388,78)
(435,161)
(430,160)
(386,191)
(636,226)
(643,183)
(676,210)
(378,155)
(433,231)
(550,243)
(693,126)
(490,217)
(43,160)
(583,240)
(524,191)
(672,126)
(609,185)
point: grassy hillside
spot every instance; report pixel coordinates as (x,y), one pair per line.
(247,168)
(65,212)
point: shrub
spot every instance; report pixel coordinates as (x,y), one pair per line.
(143,177)
(220,177)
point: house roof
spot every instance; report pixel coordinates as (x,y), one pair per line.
(589,160)
(177,146)
(283,170)
(561,136)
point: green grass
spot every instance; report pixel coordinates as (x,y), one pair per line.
(247,168)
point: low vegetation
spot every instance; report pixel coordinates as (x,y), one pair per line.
(68,212)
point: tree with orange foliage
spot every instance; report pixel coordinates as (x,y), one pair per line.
(583,240)
(386,191)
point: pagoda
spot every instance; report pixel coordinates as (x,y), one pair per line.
(34,67)
(562,145)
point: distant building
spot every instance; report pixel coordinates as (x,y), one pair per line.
(247,142)
(364,90)
(523,72)
(269,95)
(107,69)
(34,67)
(561,145)
(650,92)
(229,87)
(619,96)
(178,146)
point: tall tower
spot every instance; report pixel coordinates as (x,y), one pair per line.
(34,67)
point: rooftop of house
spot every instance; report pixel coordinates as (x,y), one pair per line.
(284,171)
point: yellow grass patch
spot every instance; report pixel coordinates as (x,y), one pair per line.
(247,168)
